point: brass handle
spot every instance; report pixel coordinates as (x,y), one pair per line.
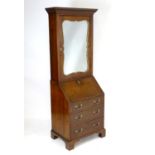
(96,124)
(97,101)
(78,117)
(78,106)
(96,111)
(78,130)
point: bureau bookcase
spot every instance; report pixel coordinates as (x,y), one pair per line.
(77,101)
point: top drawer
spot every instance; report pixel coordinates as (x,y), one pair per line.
(85,104)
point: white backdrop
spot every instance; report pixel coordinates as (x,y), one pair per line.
(124,66)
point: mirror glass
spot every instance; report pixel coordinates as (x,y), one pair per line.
(75,35)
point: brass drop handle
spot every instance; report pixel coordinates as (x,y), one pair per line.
(78,130)
(96,111)
(78,117)
(78,106)
(96,124)
(97,101)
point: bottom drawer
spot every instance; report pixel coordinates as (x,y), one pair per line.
(86,128)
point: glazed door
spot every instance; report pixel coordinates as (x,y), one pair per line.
(75,47)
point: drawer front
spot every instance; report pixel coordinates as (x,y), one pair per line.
(86,128)
(85,104)
(90,114)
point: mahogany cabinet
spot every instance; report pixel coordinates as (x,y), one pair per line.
(77,101)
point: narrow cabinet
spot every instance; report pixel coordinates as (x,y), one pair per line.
(77,101)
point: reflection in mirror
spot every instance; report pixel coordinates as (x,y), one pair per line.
(75,46)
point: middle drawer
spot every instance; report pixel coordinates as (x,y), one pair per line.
(91,113)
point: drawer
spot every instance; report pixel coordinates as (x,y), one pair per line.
(91,113)
(85,104)
(86,128)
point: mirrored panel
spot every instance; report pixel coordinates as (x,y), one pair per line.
(75,35)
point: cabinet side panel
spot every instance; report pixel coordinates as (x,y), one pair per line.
(53,46)
(60,111)
(66,121)
(56,108)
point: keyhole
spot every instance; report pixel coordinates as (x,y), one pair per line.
(78,82)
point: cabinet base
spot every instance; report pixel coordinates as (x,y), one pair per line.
(102,133)
(71,143)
